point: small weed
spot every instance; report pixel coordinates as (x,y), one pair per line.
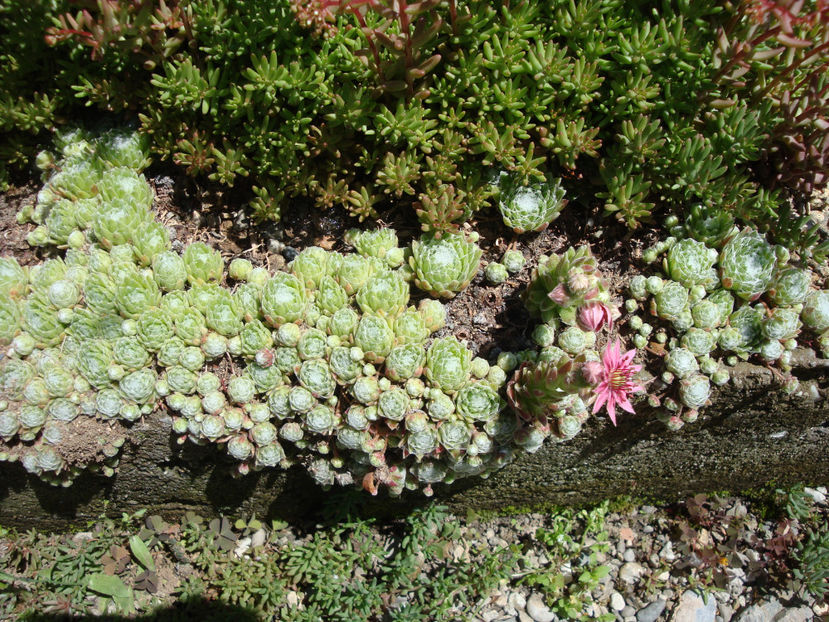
(812,563)
(572,544)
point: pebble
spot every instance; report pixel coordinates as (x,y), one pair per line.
(628,612)
(258,538)
(242,546)
(292,599)
(692,608)
(83,536)
(617,601)
(517,600)
(818,496)
(630,572)
(651,612)
(539,611)
(523,617)
(794,614)
(726,611)
(630,555)
(759,612)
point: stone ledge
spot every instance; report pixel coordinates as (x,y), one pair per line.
(752,434)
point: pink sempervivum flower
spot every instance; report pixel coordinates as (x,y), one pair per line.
(617,381)
(594,315)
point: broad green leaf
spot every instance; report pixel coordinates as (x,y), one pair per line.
(142,553)
(109,585)
(115,588)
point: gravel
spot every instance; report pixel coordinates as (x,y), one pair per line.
(653,574)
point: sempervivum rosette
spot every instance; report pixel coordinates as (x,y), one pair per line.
(445,266)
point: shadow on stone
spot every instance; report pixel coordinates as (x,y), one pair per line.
(184,610)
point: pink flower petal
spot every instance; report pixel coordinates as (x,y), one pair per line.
(611,411)
(626,405)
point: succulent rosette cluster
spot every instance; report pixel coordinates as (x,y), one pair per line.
(714,306)
(563,284)
(82,329)
(551,396)
(553,390)
(334,368)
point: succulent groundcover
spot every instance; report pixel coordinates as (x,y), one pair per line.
(329,364)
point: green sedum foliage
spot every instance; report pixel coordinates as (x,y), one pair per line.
(369,109)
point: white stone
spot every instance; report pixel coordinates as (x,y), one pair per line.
(818,496)
(763,611)
(517,600)
(617,601)
(242,546)
(538,610)
(258,538)
(630,572)
(692,608)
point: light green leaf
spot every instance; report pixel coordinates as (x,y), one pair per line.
(115,588)
(142,553)
(600,572)
(108,585)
